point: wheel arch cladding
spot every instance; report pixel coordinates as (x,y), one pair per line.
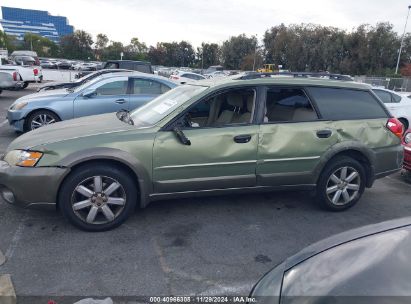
(364,155)
(114,157)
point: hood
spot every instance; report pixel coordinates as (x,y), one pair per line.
(53,83)
(69,129)
(43,95)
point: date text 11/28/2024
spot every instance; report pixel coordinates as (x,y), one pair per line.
(203,299)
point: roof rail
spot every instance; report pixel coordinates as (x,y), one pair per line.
(323,75)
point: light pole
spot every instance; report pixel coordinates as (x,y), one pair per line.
(402,40)
(202,58)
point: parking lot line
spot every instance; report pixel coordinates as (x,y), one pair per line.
(7,292)
(16,238)
(3,123)
(2,258)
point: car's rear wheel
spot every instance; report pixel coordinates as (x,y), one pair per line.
(341,184)
(40,119)
(98,198)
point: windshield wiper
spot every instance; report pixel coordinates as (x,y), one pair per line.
(124,115)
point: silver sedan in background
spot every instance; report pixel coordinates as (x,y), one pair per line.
(105,94)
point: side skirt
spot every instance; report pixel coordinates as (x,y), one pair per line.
(215,192)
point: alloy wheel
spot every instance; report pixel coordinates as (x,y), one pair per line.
(343,186)
(98,200)
(41,120)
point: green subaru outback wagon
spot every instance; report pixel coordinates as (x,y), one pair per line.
(262,134)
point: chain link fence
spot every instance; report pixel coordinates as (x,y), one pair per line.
(395,84)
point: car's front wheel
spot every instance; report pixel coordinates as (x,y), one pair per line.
(98,198)
(341,184)
(40,119)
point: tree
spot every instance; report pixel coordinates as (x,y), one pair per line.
(113,51)
(41,45)
(208,54)
(101,43)
(235,50)
(77,45)
(7,41)
(157,54)
(172,54)
(136,50)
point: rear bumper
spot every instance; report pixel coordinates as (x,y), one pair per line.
(388,160)
(407,158)
(27,187)
(10,85)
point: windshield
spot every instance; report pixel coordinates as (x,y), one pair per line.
(86,78)
(86,84)
(158,108)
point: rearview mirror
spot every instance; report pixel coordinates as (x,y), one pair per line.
(89,93)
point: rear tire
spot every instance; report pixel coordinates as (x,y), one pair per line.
(341,184)
(97,198)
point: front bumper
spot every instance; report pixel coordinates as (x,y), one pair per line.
(16,120)
(407,158)
(30,186)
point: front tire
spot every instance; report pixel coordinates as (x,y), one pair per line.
(25,85)
(98,198)
(341,184)
(40,119)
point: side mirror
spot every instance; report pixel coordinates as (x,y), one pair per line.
(88,93)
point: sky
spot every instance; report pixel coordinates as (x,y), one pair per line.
(196,21)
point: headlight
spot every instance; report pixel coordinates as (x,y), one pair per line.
(19,106)
(23,158)
(407,138)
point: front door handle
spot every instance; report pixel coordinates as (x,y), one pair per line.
(324,133)
(120,101)
(242,139)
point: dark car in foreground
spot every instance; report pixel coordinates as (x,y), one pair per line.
(371,264)
(73,84)
(331,137)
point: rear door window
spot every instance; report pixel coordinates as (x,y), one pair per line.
(346,104)
(288,104)
(113,88)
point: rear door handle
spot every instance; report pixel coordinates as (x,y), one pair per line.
(120,101)
(324,133)
(242,139)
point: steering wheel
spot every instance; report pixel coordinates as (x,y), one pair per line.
(187,120)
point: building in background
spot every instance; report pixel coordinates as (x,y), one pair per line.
(18,21)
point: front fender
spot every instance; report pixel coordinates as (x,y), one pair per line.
(120,156)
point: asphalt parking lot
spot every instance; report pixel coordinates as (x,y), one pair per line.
(210,246)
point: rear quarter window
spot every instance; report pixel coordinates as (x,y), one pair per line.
(346,104)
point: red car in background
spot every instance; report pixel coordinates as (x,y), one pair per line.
(407,150)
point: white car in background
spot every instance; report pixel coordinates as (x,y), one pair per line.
(183,77)
(398,104)
(216,74)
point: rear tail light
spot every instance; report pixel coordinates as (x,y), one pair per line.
(395,126)
(36,72)
(15,76)
(175,77)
